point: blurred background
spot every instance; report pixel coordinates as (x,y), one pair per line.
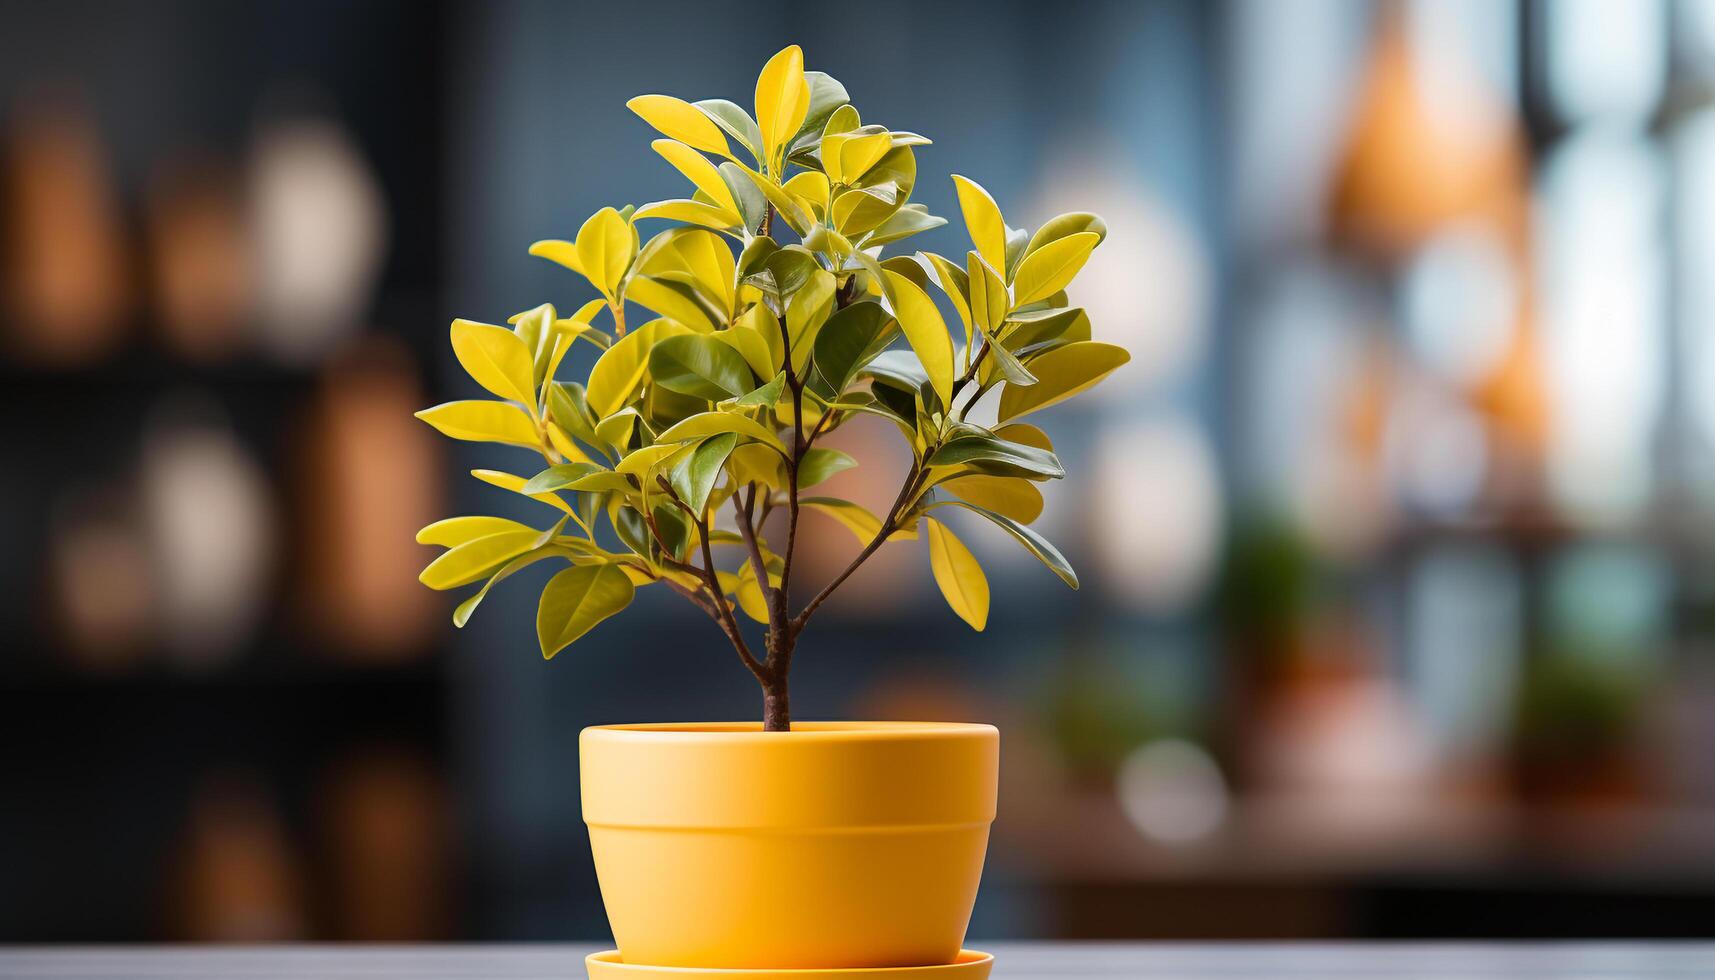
(1399,606)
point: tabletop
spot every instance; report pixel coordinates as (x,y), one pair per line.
(1013,961)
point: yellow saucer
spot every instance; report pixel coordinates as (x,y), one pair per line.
(970,965)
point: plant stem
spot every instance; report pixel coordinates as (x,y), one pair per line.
(776,707)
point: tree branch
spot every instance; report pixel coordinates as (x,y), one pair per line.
(747,530)
(712,582)
(887,528)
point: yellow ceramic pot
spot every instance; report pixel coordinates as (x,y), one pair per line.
(837,844)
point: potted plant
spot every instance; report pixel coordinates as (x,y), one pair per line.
(688,457)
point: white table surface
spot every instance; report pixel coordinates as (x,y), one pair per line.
(1013,961)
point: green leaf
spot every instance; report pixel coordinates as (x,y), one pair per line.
(576,600)
(925,331)
(732,118)
(903,223)
(820,463)
(826,95)
(785,271)
(1069,325)
(1063,225)
(988,454)
(1007,364)
(675,529)
(628,523)
(570,410)
(901,369)
(694,478)
(1052,267)
(483,421)
(1062,373)
(615,430)
(850,338)
(701,366)
(1016,239)
(751,204)
(462,613)
(765,396)
(863,213)
(714,423)
(961,579)
(604,481)
(796,217)
(497,359)
(1035,543)
(559,477)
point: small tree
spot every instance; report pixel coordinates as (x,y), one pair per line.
(759,350)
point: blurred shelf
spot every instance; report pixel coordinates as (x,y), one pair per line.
(263,671)
(1086,837)
(146,368)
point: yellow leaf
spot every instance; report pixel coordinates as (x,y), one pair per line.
(1011,496)
(946,273)
(810,189)
(641,461)
(761,321)
(1024,434)
(515,483)
(698,170)
(756,463)
(619,371)
(750,597)
(752,348)
(495,358)
(681,121)
(806,311)
(859,153)
(692,212)
(714,423)
(564,253)
(566,447)
(606,245)
(454,531)
(576,600)
(988,294)
(925,331)
(782,100)
(1051,268)
(709,261)
(666,296)
(483,421)
(855,518)
(957,573)
(472,560)
(982,220)
(1060,374)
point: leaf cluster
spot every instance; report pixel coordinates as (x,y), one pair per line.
(774,316)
